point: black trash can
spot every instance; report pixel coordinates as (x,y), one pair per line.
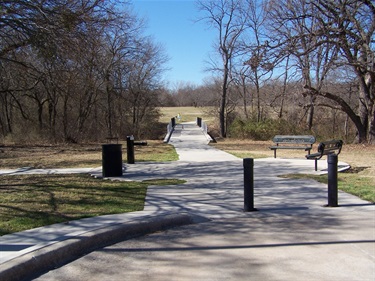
(112,160)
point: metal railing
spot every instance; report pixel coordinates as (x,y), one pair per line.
(204,128)
(170,128)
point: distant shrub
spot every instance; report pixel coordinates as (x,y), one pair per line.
(263,130)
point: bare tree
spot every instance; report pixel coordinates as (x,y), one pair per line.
(68,68)
(241,86)
(228,18)
(351,24)
(38,38)
(256,56)
(142,77)
(295,24)
(325,36)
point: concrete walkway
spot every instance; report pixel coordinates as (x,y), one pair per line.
(291,235)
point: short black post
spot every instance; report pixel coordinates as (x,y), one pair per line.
(332,160)
(199,121)
(248,165)
(130,149)
(173,122)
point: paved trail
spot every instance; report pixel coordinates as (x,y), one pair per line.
(291,237)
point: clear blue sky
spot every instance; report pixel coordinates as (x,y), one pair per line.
(186,42)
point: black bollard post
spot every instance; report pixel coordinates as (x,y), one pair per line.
(332,160)
(130,149)
(199,121)
(173,122)
(248,164)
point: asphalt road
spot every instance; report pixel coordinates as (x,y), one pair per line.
(261,246)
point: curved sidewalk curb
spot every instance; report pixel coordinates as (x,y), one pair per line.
(59,253)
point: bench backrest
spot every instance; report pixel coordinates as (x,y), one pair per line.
(294,139)
(330,146)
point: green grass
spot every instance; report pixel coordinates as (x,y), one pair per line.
(354,184)
(30,201)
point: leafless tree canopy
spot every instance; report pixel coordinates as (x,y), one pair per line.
(74,70)
(325,46)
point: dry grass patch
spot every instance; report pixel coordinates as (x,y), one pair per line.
(245,148)
(188,113)
(360,157)
(77,156)
(60,156)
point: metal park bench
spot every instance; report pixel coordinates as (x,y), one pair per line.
(292,142)
(326,148)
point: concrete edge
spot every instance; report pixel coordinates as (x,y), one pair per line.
(60,253)
(208,136)
(168,136)
(342,167)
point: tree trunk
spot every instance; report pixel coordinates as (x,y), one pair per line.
(109,104)
(65,117)
(366,110)
(283,93)
(369,86)
(244,96)
(8,114)
(356,119)
(371,135)
(310,113)
(222,106)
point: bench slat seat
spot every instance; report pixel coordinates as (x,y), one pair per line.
(290,147)
(302,142)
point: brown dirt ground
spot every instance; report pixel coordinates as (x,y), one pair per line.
(61,156)
(67,156)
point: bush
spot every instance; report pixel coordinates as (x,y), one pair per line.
(263,130)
